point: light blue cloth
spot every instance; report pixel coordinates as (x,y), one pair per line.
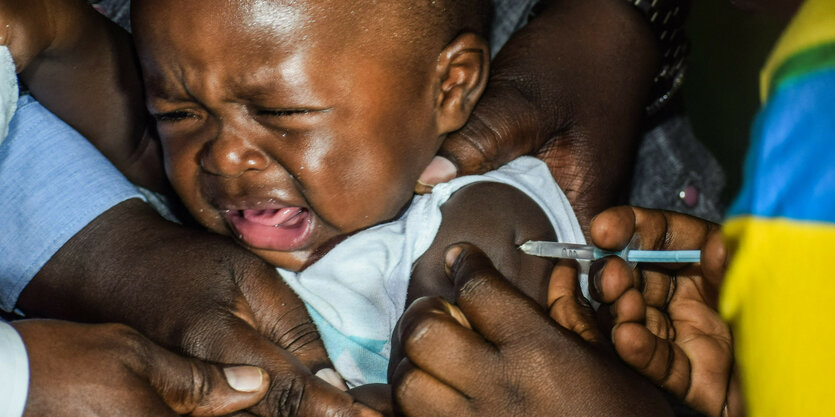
(14,372)
(53,182)
(356,293)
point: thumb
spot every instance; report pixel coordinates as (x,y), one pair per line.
(503,126)
(194,387)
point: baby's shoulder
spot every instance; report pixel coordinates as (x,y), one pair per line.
(497,218)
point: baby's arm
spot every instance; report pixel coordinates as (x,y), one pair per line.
(82,67)
(499,218)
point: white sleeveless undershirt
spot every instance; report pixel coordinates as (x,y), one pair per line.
(357,292)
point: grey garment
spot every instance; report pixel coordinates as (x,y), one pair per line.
(117,10)
(508,17)
(674,171)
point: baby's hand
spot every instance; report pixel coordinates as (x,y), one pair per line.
(665,321)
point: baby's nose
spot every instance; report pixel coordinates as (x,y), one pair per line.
(231,156)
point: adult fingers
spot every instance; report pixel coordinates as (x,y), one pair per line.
(442,345)
(658,359)
(492,137)
(279,314)
(613,279)
(657,229)
(482,290)
(192,387)
(568,307)
(294,390)
(418,393)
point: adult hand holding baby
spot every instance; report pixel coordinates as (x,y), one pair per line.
(218,302)
(475,362)
(570,88)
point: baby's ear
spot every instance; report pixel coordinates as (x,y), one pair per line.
(462,69)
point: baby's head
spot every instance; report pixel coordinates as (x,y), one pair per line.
(290,124)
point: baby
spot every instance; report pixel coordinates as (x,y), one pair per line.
(300,128)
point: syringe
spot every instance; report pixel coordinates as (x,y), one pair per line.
(591,253)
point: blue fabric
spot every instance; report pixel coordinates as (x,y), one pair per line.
(783,179)
(53,182)
(357,355)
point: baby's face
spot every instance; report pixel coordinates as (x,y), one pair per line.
(284,131)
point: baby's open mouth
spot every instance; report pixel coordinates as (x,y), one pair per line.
(273,217)
(281,229)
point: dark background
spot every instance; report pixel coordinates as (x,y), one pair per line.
(721,91)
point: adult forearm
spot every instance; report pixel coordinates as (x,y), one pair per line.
(53,184)
(582,70)
(88,76)
(128,264)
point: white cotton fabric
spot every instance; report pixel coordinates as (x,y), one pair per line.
(14,372)
(8,90)
(357,292)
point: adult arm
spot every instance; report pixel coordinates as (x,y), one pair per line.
(82,67)
(570,87)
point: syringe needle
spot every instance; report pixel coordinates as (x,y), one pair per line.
(591,253)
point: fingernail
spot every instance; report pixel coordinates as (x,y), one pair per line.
(457,314)
(332,377)
(244,378)
(438,171)
(423,188)
(451,257)
(597,281)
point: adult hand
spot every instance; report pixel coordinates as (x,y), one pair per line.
(570,87)
(194,291)
(105,370)
(665,321)
(501,355)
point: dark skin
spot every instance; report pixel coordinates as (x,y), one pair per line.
(534,366)
(576,103)
(139,269)
(215,285)
(86,77)
(491,229)
(665,319)
(233,144)
(664,323)
(137,150)
(110,366)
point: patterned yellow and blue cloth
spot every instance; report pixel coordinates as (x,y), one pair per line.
(779,294)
